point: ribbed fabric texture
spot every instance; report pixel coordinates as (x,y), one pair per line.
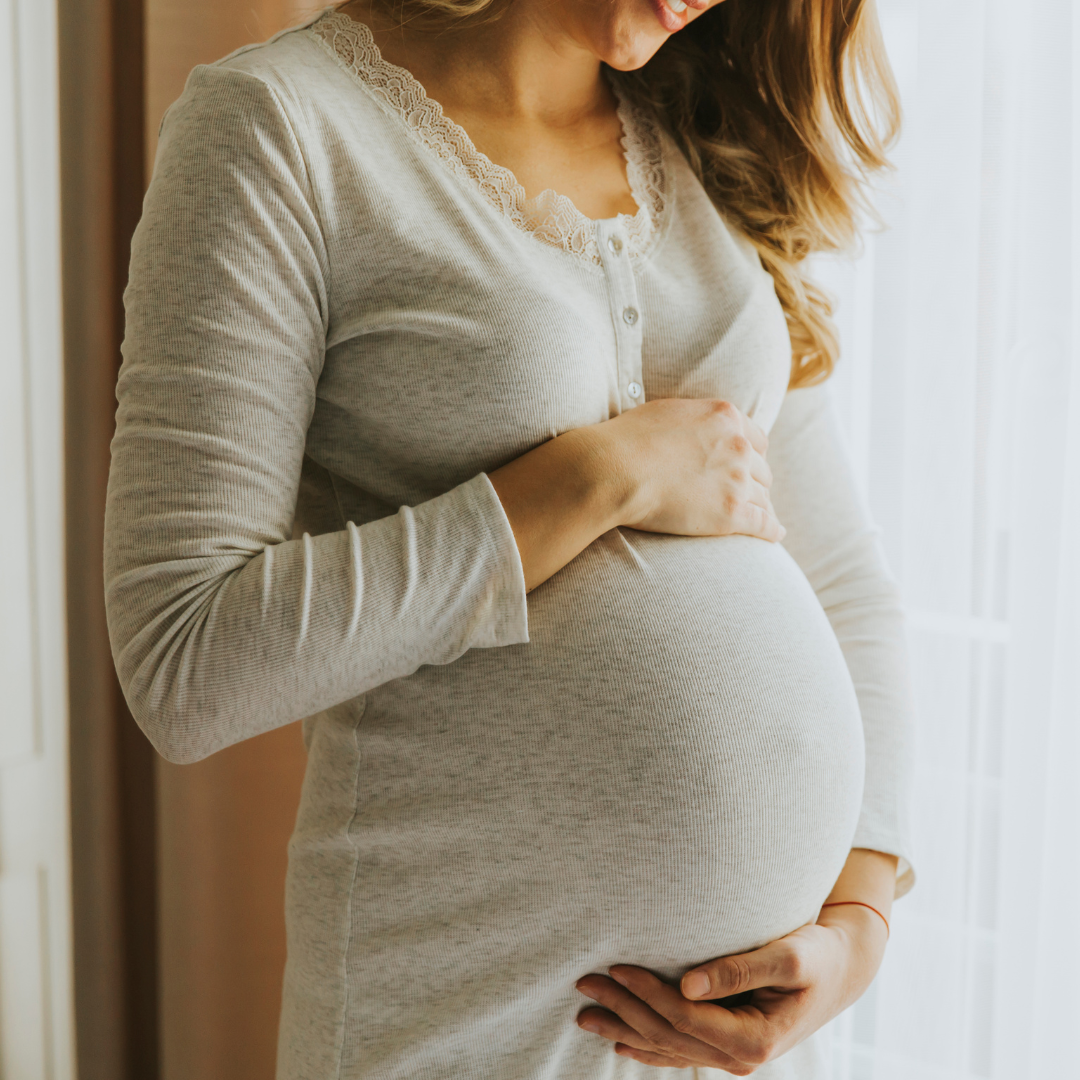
(663,755)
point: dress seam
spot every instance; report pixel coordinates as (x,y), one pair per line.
(349,894)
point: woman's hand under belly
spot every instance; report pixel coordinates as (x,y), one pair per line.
(736,1013)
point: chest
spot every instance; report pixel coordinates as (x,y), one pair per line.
(584,162)
(459,340)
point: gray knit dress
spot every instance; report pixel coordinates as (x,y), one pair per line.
(341,316)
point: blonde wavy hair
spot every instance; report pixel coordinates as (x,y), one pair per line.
(784,109)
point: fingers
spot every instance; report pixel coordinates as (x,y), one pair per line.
(760,471)
(647,1057)
(759,519)
(610,1026)
(654,1023)
(758,439)
(741,425)
(762,520)
(759,496)
(658,1035)
(750,443)
(735,1040)
(704,471)
(640,1027)
(779,964)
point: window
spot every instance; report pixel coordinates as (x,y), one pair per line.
(960,388)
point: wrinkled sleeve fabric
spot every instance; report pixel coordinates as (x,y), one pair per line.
(831,537)
(222,626)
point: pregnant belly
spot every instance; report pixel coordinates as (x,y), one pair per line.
(669,771)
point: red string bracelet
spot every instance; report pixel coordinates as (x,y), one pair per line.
(859,903)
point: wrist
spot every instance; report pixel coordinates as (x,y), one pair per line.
(868,877)
(863,904)
(609,481)
(864,932)
(858,946)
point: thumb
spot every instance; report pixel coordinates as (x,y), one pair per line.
(774,964)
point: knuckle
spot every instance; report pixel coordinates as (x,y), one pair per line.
(712,1058)
(684,1025)
(730,503)
(795,963)
(664,1043)
(725,408)
(740,444)
(738,476)
(756,1054)
(737,976)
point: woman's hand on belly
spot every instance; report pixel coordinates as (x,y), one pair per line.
(791,988)
(685,467)
(777,995)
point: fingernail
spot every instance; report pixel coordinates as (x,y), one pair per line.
(586,991)
(589,1025)
(620,979)
(696,984)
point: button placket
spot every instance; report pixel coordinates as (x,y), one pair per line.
(626,314)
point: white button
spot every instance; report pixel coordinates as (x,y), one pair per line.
(614,245)
(630,315)
(634,390)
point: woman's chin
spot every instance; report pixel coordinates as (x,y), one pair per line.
(631,41)
(630,62)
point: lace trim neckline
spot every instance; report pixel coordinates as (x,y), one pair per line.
(549,217)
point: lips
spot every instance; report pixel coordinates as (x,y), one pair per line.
(673,15)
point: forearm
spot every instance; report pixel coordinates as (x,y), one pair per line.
(559,498)
(212,651)
(868,877)
(680,466)
(832,539)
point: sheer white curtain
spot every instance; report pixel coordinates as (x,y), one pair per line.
(960,389)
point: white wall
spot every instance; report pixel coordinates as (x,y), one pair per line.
(36,1028)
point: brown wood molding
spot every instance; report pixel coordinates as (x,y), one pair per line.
(177,873)
(112,775)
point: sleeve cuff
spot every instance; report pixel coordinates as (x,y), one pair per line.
(504,618)
(891,844)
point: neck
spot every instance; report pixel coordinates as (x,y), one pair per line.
(526,65)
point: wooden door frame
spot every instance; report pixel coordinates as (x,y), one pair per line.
(101,62)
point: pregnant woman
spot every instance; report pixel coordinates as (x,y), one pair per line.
(455,330)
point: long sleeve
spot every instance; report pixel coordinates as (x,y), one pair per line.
(832,539)
(221,625)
